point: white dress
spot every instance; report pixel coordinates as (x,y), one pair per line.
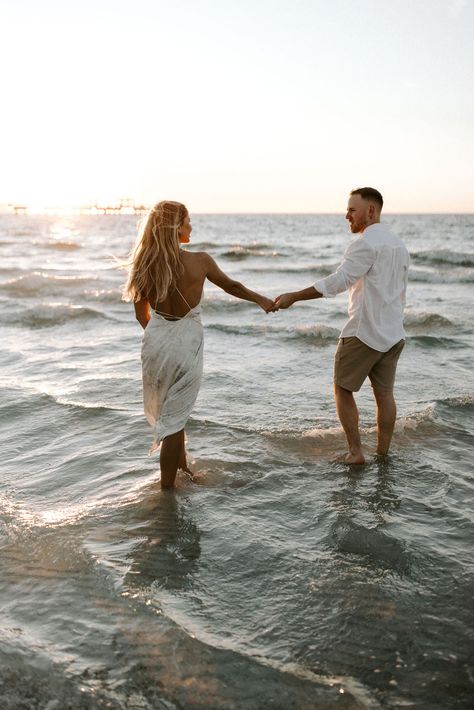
(172,359)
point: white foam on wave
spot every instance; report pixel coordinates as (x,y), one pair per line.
(413,422)
(316,332)
(423,422)
(319,433)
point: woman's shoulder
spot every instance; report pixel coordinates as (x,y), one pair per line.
(194,257)
(198,254)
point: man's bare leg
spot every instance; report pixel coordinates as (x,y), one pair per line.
(349,417)
(171,448)
(386,416)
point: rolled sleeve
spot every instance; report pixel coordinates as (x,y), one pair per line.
(358,258)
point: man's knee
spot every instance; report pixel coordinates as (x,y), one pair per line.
(342,391)
(383,396)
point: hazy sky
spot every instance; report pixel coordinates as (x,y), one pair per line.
(238,105)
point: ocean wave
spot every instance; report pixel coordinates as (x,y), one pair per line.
(316,335)
(47,315)
(437,417)
(238,253)
(431,421)
(416,321)
(204,246)
(34,397)
(320,270)
(230,305)
(444,256)
(457,404)
(437,341)
(456,275)
(354,690)
(39,281)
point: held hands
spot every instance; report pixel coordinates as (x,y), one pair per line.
(284,301)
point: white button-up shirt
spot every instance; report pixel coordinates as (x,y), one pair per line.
(375,270)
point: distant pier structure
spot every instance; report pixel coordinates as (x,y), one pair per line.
(124,206)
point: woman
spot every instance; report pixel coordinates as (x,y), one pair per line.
(165,284)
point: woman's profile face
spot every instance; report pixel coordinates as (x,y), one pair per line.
(185,230)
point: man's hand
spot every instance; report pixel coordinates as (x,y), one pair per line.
(284,301)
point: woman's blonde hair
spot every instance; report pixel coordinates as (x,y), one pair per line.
(155,262)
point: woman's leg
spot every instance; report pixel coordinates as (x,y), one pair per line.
(170,452)
(182,463)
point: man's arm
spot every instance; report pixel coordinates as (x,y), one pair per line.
(287,299)
(358,259)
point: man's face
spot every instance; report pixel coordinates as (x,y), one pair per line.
(357,213)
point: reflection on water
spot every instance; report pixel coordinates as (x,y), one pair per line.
(371,487)
(167,545)
(364,505)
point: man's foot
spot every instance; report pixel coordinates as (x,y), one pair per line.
(350,458)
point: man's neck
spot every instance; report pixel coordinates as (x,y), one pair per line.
(369,224)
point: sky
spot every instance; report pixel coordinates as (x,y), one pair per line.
(238,105)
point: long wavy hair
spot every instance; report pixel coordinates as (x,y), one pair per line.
(155,263)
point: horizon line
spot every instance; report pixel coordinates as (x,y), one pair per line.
(60,210)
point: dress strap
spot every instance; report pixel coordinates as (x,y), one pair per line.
(184,298)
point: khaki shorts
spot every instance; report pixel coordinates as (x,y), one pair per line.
(354,361)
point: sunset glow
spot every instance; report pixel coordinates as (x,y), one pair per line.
(238,107)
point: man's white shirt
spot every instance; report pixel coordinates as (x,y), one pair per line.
(375,270)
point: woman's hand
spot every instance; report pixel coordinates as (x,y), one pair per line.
(265,303)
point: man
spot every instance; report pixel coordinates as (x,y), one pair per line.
(375,271)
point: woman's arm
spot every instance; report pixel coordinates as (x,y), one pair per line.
(235,288)
(142,312)
(287,299)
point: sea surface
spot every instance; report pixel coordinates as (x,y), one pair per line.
(279,579)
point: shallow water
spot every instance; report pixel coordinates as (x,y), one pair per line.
(280,580)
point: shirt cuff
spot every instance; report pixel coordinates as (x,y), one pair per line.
(321,287)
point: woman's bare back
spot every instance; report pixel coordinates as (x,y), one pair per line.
(190,284)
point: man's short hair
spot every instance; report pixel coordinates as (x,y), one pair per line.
(369,193)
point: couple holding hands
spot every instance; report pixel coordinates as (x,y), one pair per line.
(165,283)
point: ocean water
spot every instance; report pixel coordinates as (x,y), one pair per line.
(280,579)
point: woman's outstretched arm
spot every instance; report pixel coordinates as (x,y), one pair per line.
(235,288)
(142,312)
